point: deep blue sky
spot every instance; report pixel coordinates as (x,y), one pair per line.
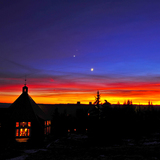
(63,39)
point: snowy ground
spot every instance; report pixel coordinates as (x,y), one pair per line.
(76,147)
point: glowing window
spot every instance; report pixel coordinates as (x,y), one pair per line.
(45,123)
(17,124)
(23,124)
(28,132)
(88,114)
(17,132)
(21,132)
(29,124)
(69,130)
(24,132)
(23,129)
(75,130)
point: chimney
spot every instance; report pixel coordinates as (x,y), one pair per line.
(78,102)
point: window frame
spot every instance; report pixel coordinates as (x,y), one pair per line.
(47,127)
(26,129)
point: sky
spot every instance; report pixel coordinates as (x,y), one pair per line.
(69,49)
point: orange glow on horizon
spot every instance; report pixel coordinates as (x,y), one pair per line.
(139,93)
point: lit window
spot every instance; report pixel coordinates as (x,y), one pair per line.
(29,124)
(45,123)
(21,132)
(28,132)
(24,132)
(23,129)
(88,114)
(75,130)
(23,124)
(17,124)
(17,132)
(69,130)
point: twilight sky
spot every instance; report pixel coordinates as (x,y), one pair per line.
(55,43)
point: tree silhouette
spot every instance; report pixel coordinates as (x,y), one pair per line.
(96,102)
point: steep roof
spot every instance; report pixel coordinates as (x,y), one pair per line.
(25,109)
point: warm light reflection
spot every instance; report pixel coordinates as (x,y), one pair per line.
(22,140)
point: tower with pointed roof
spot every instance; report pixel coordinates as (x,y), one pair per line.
(27,121)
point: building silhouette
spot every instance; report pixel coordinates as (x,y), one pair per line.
(25,121)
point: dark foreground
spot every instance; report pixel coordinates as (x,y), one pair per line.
(77,147)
